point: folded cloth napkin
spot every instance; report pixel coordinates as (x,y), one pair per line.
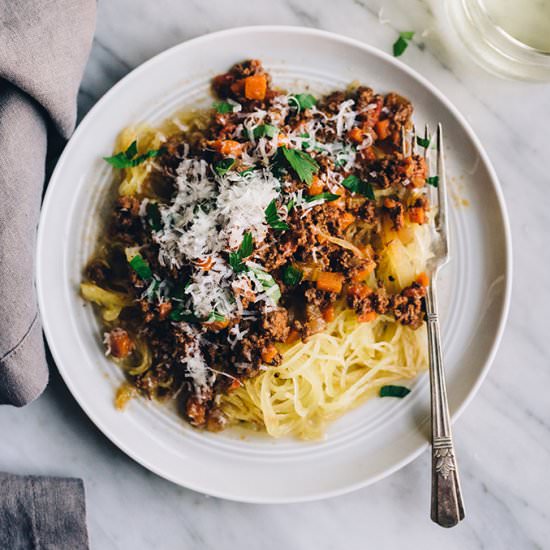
(44,45)
(42,513)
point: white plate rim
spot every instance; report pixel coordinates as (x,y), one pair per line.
(46,205)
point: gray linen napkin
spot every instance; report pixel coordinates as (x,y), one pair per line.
(44,45)
(42,513)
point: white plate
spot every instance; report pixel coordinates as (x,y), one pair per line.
(365,445)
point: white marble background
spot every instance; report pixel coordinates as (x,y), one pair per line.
(503,438)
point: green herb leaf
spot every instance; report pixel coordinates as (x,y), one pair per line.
(394,391)
(304,101)
(292,275)
(327,197)
(290,205)
(178,313)
(245,250)
(223,107)
(268,283)
(272,217)
(357,185)
(128,158)
(302,163)
(247,171)
(215,317)
(153,216)
(402,43)
(433,180)
(141,267)
(423,142)
(265,130)
(223,166)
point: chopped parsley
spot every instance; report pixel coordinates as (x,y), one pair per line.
(223,107)
(327,197)
(423,142)
(292,275)
(265,130)
(130,158)
(141,267)
(245,250)
(433,180)
(268,283)
(273,219)
(357,185)
(394,391)
(303,101)
(290,205)
(180,313)
(402,43)
(302,163)
(215,317)
(223,166)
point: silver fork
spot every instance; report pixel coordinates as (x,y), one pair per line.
(447,508)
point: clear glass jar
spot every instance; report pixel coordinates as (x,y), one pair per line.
(507,37)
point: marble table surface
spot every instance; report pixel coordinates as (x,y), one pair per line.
(503,438)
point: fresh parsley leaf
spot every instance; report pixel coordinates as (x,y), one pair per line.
(423,142)
(179,313)
(272,217)
(128,158)
(402,43)
(245,250)
(292,275)
(394,391)
(327,197)
(304,101)
(223,166)
(302,163)
(141,267)
(265,130)
(290,205)
(215,317)
(268,283)
(357,185)
(223,107)
(153,216)
(433,180)
(247,171)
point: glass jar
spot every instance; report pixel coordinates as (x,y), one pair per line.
(507,37)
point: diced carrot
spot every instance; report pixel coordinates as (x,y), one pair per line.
(361,274)
(164,309)
(321,239)
(330,282)
(205,263)
(382,128)
(216,326)
(255,86)
(368,153)
(346,220)
(120,343)
(316,186)
(417,215)
(228,147)
(293,336)
(269,353)
(234,385)
(360,291)
(356,135)
(367,317)
(341,192)
(328,313)
(423,279)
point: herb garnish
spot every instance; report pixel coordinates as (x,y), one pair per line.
(292,275)
(141,267)
(423,142)
(215,317)
(327,197)
(245,250)
(402,43)
(268,283)
(304,101)
(357,185)
(302,163)
(223,107)
(128,158)
(394,391)
(223,166)
(433,180)
(272,217)
(153,216)
(265,130)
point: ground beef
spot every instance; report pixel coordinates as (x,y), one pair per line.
(408,305)
(275,324)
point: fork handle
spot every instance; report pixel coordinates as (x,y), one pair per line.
(447,506)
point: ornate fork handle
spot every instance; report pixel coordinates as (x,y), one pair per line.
(447,506)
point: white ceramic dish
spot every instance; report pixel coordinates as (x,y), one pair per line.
(365,445)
